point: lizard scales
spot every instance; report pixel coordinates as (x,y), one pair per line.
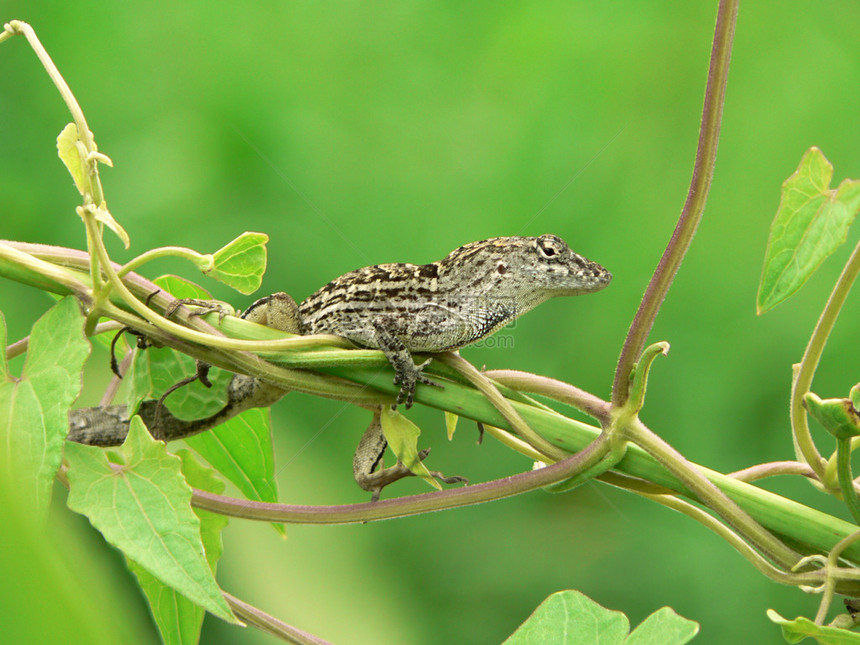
(444,305)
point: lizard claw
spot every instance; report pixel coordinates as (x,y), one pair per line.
(376,481)
(407,380)
(205,307)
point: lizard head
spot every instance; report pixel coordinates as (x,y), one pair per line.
(560,271)
(546,267)
(524,271)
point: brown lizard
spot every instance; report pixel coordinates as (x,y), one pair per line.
(405,308)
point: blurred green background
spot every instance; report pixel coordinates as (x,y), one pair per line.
(362,132)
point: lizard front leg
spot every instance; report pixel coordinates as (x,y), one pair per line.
(406,373)
(367,462)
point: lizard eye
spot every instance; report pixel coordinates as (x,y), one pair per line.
(502,269)
(550,246)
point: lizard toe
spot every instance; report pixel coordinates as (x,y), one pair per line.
(426,380)
(406,395)
(454,479)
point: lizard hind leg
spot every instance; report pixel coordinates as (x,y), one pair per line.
(368,469)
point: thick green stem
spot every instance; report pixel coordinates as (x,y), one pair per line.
(710,495)
(502,405)
(803,443)
(734,540)
(703,171)
(846,479)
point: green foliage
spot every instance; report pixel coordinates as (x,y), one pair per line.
(182,288)
(143,508)
(74,155)
(812,221)
(179,620)
(451,424)
(241,451)
(453,132)
(572,618)
(155,370)
(34,409)
(241,263)
(837,416)
(402,436)
(800,628)
(67,149)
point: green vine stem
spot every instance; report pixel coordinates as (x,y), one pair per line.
(846,479)
(91,156)
(734,540)
(14,27)
(42,266)
(703,172)
(162,252)
(771,469)
(833,573)
(23,267)
(804,446)
(557,390)
(462,400)
(710,495)
(494,396)
(515,443)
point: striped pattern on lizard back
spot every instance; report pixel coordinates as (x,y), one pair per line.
(466,296)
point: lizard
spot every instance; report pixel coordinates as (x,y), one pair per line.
(402,309)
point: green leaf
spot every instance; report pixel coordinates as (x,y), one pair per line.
(663,626)
(102,214)
(794,631)
(402,436)
(179,620)
(451,423)
(572,618)
(179,287)
(241,450)
(73,154)
(241,263)
(143,508)
(155,370)
(34,410)
(811,222)
(67,149)
(838,416)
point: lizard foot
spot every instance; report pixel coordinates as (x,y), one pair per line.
(374,482)
(205,307)
(409,379)
(367,466)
